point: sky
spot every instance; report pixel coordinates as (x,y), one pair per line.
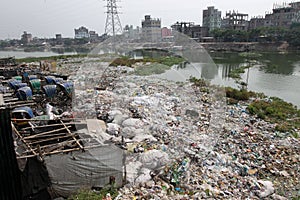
(45,18)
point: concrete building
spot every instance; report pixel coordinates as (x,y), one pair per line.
(166,32)
(81,32)
(282,16)
(132,33)
(256,22)
(211,18)
(151,29)
(93,36)
(296,8)
(235,21)
(196,32)
(26,38)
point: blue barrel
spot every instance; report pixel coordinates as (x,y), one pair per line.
(50,79)
(12,83)
(68,87)
(24,93)
(20,85)
(58,80)
(53,80)
(25,109)
(32,77)
(50,90)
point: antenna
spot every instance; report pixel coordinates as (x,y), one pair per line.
(113,24)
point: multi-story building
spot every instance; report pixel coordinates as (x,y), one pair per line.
(93,36)
(211,18)
(296,8)
(131,32)
(26,38)
(190,29)
(236,21)
(166,32)
(256,22)
(151,29)
(282,16)
(81,32)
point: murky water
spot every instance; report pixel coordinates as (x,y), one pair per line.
(22,54)
(273,74)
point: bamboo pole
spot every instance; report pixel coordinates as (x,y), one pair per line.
(81,147)
(44,133)
(61,151)
(28,146)
(53,125)
(49,139)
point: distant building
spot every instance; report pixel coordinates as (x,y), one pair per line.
(81,32)
(211,18)
(151,29)
(26,38)
(190,29)
(58,40)
(282,16)
(166,32)
(58,36)
(132,33)
(256,22)
(296,8)
(235,21)
(93,36)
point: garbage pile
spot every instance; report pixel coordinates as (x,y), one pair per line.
(185,142)
(182,143)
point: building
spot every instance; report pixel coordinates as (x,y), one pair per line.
(211,18)
(282,16)
(235,21)
(296,8)
(132,33)
(151,29)
(166,32)
(256,22)
(93,36)
(81,32)
(26,38)
(190,29)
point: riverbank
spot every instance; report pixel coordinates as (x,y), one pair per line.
(249,46)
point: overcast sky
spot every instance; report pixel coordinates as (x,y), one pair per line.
(45,18)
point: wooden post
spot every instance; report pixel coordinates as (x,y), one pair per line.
(10,181)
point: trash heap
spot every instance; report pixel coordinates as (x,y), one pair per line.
(184,142)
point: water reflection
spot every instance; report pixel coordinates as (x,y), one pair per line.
(273,74)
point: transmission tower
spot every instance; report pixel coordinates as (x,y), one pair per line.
(113,24)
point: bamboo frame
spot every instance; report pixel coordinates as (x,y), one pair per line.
(24,141)
(44,133)
(81,147)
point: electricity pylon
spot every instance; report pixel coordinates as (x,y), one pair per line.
(113,24)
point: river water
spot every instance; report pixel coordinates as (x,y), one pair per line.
(273,74)
(22,54)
